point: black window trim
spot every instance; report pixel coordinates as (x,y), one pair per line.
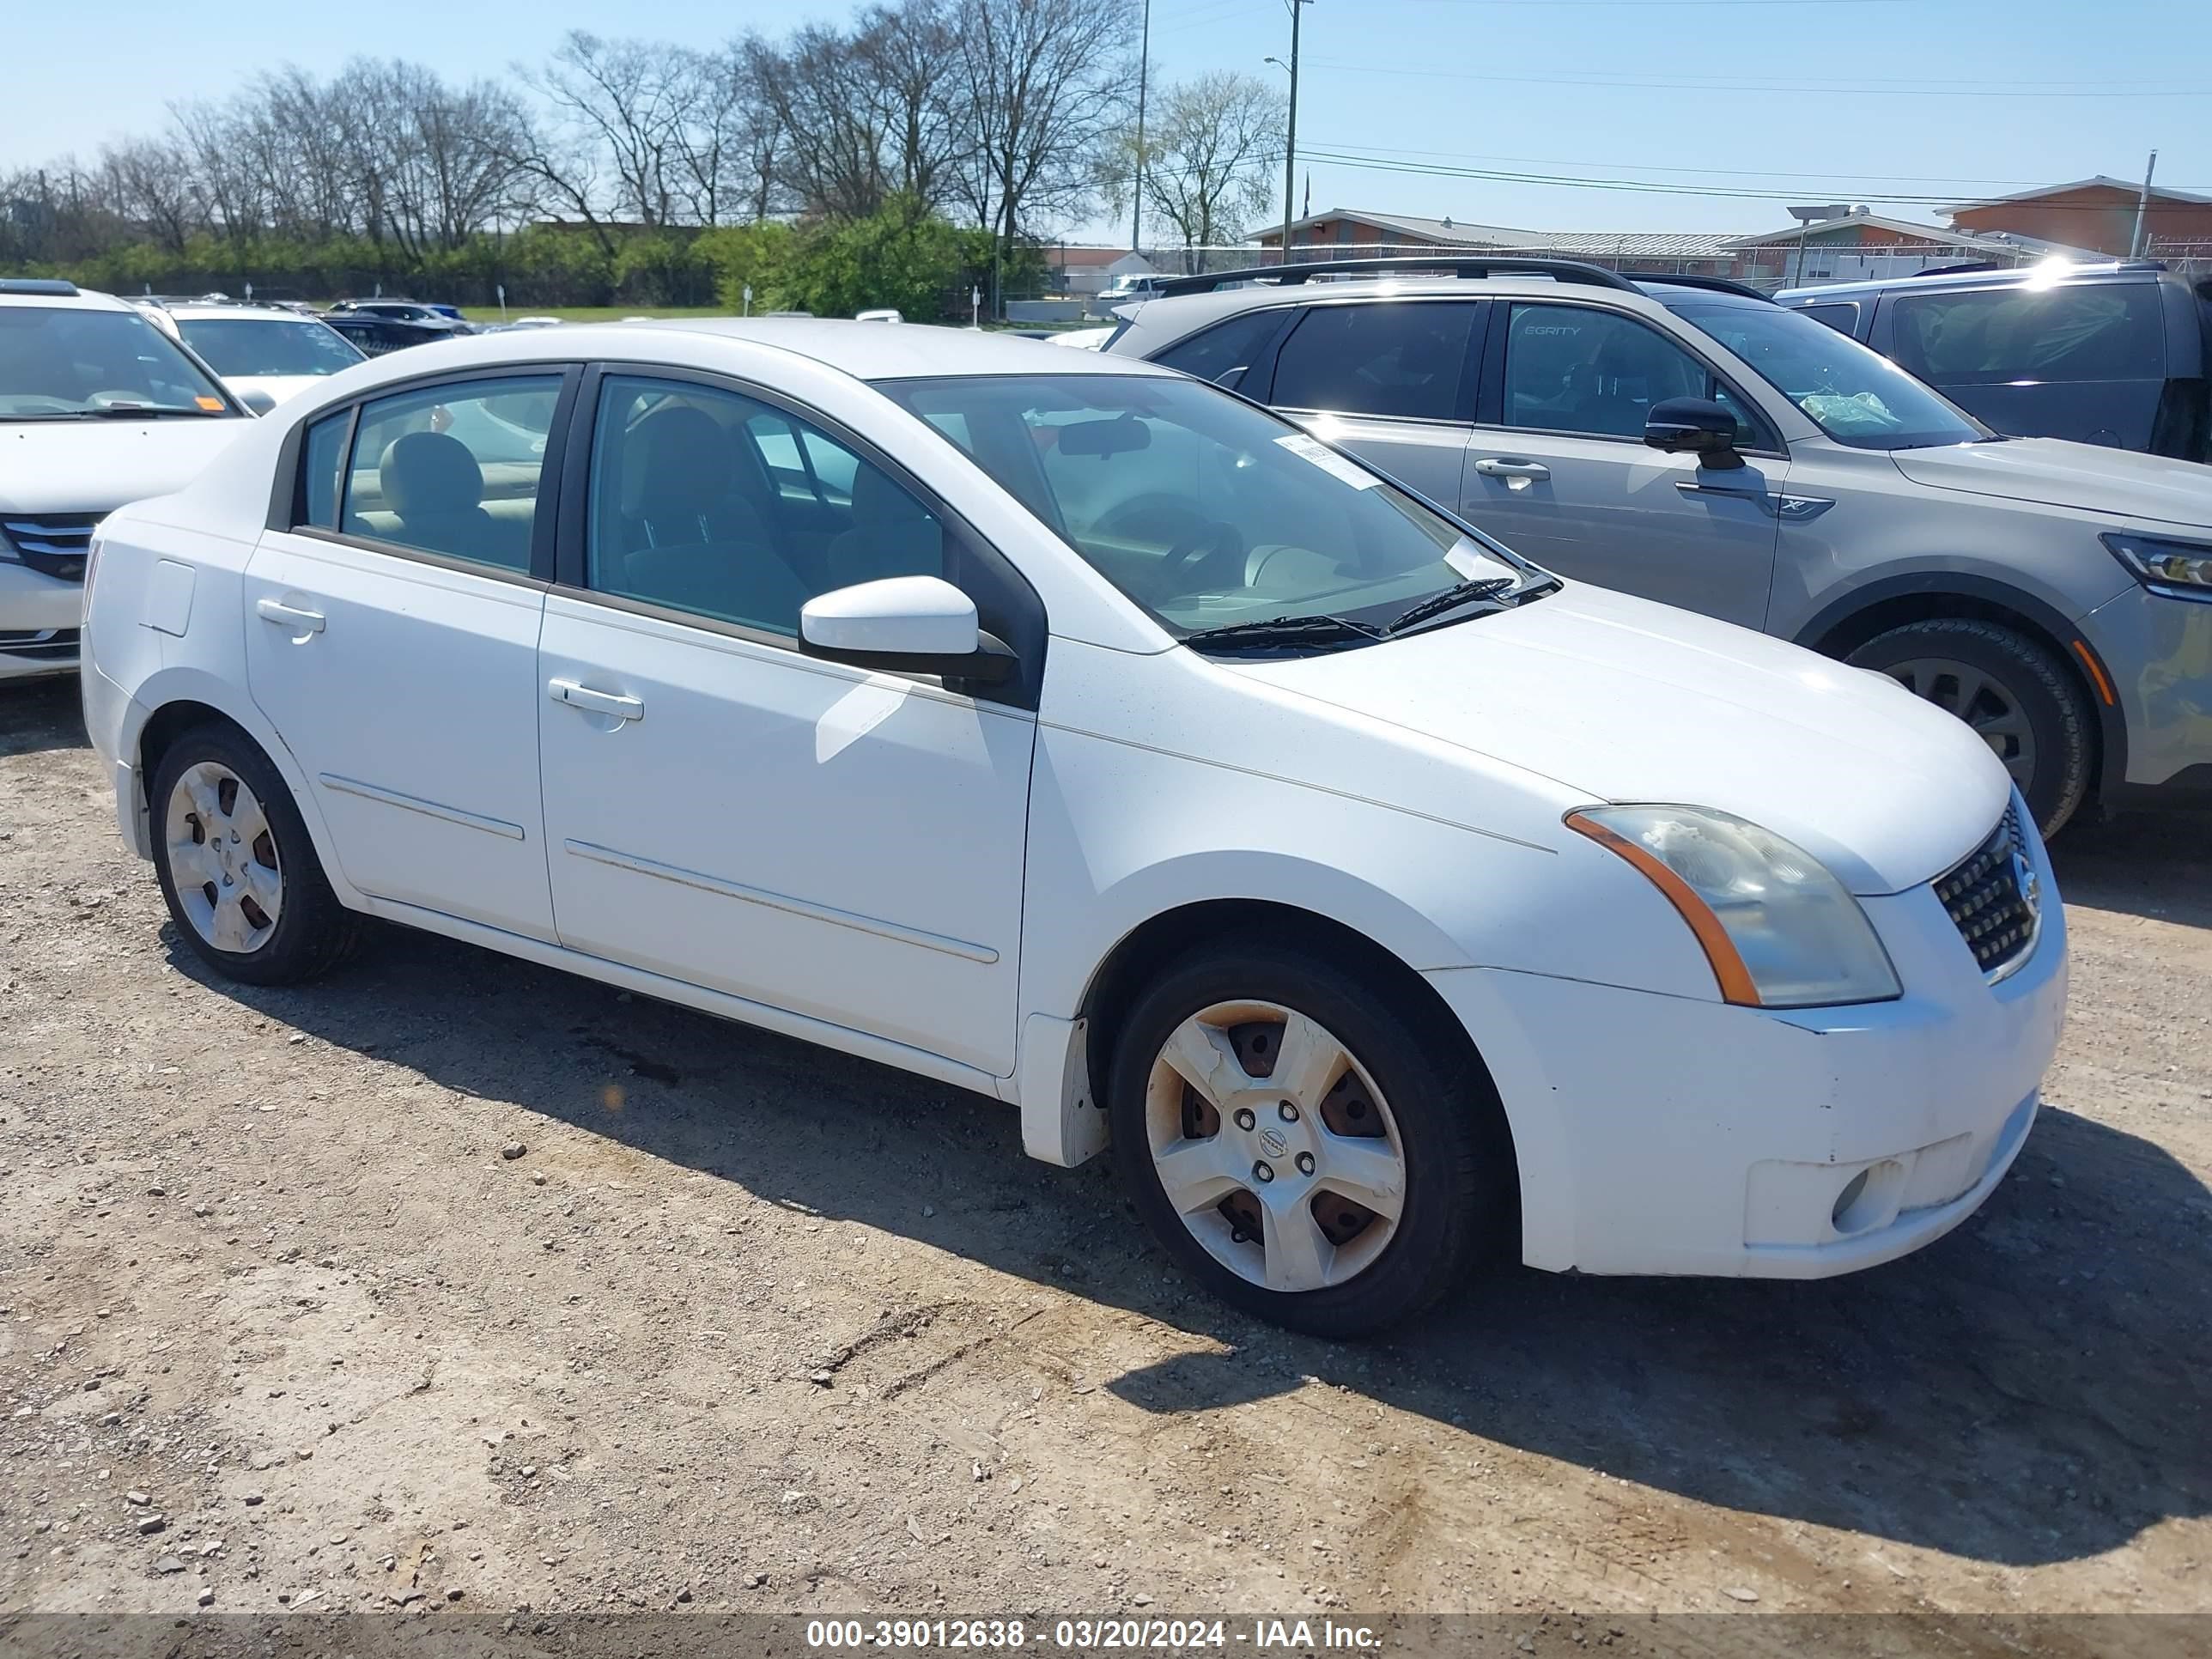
(1491,416)
(1017,608)
(288,500)
(1478,337)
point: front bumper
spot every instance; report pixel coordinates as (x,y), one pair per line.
(35,604)
(1659,1134)
(2159,651)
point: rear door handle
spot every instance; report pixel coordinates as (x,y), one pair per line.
(288,616)
(578,695)
(1491,466)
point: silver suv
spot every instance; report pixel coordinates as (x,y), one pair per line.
(1688,440)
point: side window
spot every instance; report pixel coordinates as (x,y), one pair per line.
(453,469)
(319,471)
(1580,369)
(707,501)
(1223,353)
(1403,357)
(1985,336)
(1842,316)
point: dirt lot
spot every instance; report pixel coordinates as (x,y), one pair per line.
(746,1325)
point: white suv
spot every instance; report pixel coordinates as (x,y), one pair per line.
(264,354)
(1064,729)
(98,407)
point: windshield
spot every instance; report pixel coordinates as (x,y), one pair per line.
(263,345)
(1854,394)
(1205,509)
(74,362)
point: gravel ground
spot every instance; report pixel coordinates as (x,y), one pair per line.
(454,1283)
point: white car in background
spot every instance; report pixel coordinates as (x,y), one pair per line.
(1069,729)
(264,354)
(98,407)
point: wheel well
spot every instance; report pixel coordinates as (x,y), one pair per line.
(168,723)
(1855,630)
(1149,948)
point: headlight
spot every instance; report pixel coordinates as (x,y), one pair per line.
(1780,931)
(2179,570)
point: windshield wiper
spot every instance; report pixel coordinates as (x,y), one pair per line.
(1285,630)
(148,411)
(1488,588)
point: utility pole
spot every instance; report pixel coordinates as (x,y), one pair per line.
(2143,209)
(1291,138)
(1144,73)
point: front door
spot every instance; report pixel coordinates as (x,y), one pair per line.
(392,640)
(1559,470)
(727,811)
(1390,380)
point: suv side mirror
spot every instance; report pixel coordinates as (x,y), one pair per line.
(903,625)
(1696,426)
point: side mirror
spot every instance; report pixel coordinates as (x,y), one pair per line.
(1695,425)
(257,400)
(903,625)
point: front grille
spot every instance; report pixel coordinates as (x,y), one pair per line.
(53,542)
(43,645)
(1993,911)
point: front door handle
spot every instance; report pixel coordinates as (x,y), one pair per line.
(578,695)
(1493,466)
(288,616)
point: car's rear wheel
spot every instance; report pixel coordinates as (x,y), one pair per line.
(1306,1151)
(2017,697)
(236,864)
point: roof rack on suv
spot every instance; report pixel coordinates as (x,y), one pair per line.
(1564,270)
(1715,284)
(36,285)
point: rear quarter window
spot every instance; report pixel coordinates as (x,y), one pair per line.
(1991,336)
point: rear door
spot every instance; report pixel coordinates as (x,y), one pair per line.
(1391,380)
(391,638)
(2085,360)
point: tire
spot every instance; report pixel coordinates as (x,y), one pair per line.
(1390,1090)
(217,884)
(2012,690)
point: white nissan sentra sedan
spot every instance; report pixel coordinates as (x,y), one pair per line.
(1074,732)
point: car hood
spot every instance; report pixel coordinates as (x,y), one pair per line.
(2057,473)
(1628,701)
(95,466)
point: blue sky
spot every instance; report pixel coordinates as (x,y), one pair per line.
(1939,99)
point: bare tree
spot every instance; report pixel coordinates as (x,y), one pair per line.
(1045,82)
(823,92)
(909,56)
(149,183)
(1209,151)
(624,100)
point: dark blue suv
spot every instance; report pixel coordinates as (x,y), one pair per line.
(2118,354)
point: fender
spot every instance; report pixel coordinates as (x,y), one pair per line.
(2111,722)
(183,682)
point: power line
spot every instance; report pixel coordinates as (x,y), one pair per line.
(1707,83)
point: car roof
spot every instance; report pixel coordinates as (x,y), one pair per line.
(2116,270)
(251,313)
(82,299)
(875,352)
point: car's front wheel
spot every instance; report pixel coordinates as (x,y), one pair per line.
(2018,698)
(1300,1146)
(237,869)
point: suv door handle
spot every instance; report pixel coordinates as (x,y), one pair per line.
(1491,466)
(577,695)
(288,616)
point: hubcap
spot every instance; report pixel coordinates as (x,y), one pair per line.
(1274,1146)
(223,858)
(1987,705)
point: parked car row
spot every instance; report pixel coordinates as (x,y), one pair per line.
(1275,781)
(1692,441)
